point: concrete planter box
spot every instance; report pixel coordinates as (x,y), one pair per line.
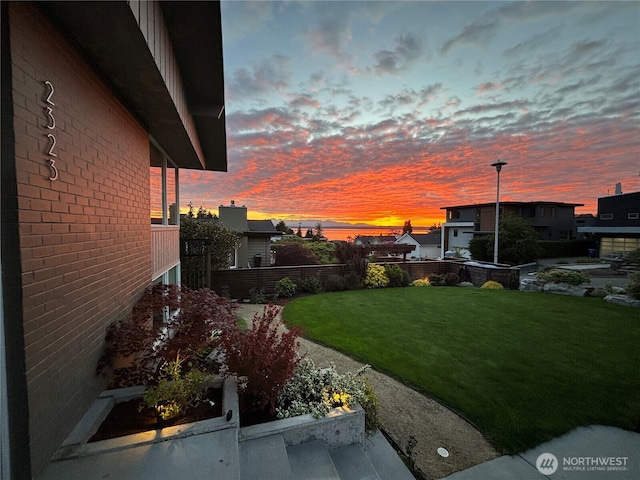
(76,444)
(343,426)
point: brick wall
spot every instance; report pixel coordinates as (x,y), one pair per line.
(85,239)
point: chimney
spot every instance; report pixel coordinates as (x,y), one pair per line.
(618,188)
(234,217)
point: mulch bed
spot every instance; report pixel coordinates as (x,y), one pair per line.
(126,418)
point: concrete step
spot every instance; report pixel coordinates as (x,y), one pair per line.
(385,459)
(311,461)
(352,463)
(264,458)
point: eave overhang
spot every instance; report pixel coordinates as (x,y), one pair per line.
(112,41)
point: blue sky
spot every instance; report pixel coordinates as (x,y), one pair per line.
(380,112)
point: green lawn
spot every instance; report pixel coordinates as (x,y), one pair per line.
(523,367)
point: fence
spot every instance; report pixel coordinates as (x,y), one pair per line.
(239,283)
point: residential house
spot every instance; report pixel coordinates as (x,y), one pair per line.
(255,246)
(427,245)
(617,227)
(374,239)
(552,221)
(102,104)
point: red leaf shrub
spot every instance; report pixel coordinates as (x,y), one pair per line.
(295,254)
(266,355)
(136,346)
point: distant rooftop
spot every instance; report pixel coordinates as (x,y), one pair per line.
(540,202)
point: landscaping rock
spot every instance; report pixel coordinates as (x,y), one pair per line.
(565,289)
(624,300)
(531,284)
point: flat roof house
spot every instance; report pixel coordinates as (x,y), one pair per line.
(552,221)
(617,226)
(102,103)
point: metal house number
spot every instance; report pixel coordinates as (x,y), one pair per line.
(51,125)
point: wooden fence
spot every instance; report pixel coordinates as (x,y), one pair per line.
(239,283)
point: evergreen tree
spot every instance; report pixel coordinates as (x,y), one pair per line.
(407,227)
(282,227)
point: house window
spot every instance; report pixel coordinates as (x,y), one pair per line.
(454,214)
(233,259)
(606,216)
(632,216)
(547,211)
(455,232)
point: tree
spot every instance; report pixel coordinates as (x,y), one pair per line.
(207,236)
(407,227)
(325,251)
(309,233)
(517,242)
(299,232)
(318,233)
(295,253)
(282,227)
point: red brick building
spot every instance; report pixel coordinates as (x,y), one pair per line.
(102,103)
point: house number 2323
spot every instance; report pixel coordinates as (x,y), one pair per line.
(51,125)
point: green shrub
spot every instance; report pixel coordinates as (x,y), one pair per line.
(632,257)
(376,277)
(633,287)
(310,285)
(315,391)
(395,274)
(436,279)
(588,260)
(492,285)
(352,281)
(421,282)
(572,277)
(564,248)
(334,283)
(257,296)
(513,283)
(451,279)
(601,292)
(325,251)
(285,288)
(176,392)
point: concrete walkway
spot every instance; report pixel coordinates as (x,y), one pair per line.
(586,453)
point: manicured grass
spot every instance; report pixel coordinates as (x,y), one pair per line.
(523,367)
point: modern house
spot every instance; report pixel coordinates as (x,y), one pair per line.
(617,227)
(102,104)
(427,245)
(255,247)
(552,221)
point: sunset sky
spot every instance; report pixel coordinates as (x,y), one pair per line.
(380,112)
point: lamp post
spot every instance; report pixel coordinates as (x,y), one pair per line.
(498,164)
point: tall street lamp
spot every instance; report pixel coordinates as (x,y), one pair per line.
(498,164)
